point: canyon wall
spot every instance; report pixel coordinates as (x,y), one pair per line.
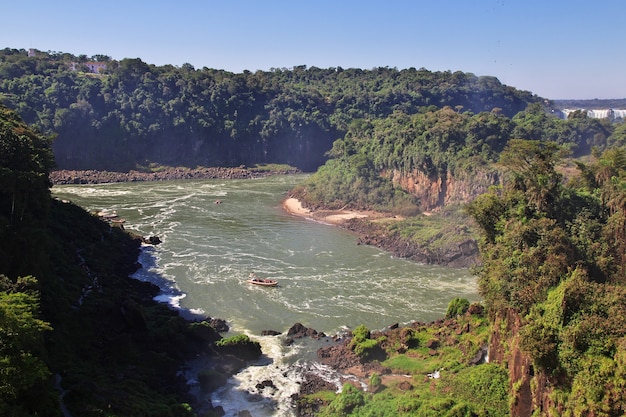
(438,191)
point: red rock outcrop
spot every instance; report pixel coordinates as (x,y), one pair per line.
(530,388)
(437,191)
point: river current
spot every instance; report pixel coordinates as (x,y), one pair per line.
(326,280)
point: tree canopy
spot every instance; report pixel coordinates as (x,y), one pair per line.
(135,114)
(553,252)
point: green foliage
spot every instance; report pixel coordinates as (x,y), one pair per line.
(240,339)
(24,371)
(375,381)
(553,253)
(363,346)
(240,346)
(346,403)
(25,160)
(360,334)
(136,113)
(485,387)
(457,307)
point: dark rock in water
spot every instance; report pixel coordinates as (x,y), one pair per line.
(210,380)
(338,356)
(269,333)
(153,240)
(219,325)
(204,331)
(314,383)
(299,331)
(265,384)
(218,411)
(229,364)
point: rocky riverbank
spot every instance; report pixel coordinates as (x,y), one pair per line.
(370,228)
(458,254)
(429,343)
(99,177)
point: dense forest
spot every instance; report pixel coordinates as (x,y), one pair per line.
(553,279)
(134,115)
(406,163)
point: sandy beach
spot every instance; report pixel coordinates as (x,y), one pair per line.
(336,217)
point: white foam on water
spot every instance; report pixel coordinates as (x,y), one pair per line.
(171,299)
(251,390)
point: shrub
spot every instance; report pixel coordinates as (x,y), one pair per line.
(364,347)
(240,346)
(375,382)
(483,386)
(240,339)
(360,334)
(457,307)
(346,402)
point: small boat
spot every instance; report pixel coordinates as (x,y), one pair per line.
(263,282)
(266,282)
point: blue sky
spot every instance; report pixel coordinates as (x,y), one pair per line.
(555,49)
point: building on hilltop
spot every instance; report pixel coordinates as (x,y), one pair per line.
(92,66)
(96,67)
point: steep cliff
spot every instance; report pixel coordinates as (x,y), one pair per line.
(529,388)
(435,191)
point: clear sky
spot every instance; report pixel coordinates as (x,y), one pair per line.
(556,49)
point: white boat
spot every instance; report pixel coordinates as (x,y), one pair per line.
(266,282)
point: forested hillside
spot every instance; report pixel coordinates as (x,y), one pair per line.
(136,115)
(553,279)
(77,335)
(438,157)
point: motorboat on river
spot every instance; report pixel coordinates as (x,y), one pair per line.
(265,282)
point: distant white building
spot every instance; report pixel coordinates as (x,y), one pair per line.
(32,52)
(96,67)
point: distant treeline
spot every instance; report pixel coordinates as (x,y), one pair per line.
(134,115)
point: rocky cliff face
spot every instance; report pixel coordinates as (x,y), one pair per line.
(530,388)
(438,191)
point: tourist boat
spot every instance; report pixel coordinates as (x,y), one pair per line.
(262,281)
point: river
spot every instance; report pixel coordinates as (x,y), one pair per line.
(326,280)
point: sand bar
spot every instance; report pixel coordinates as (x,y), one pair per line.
(294,206)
